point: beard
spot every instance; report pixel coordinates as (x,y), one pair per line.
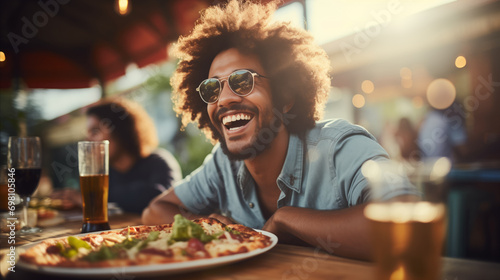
(261,140)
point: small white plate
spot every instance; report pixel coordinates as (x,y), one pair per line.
(146,270)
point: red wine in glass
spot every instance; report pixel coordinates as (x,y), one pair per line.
(27,180)
(24,161)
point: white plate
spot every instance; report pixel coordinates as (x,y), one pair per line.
(146,270)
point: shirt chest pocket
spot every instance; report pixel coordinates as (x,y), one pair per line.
(315,194)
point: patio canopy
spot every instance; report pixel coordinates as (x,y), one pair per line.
(77,43)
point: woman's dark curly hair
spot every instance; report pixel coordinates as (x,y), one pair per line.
(298,69)
(129,124)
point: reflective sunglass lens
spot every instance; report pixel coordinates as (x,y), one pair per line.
(241,82)
(210,90)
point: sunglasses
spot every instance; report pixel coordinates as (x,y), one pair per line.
(241,82)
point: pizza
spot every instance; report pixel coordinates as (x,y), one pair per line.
(184,240)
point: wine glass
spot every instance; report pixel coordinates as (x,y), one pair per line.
(24,160)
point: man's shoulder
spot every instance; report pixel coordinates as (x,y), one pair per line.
(334,129)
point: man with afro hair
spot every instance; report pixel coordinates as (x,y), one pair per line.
(257,89)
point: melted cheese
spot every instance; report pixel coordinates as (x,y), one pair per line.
(179,244)
(211,229)
(115,238)
(82,252)
(161,243)
(230,239)
(133,251)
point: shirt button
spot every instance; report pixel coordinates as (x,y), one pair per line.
(251,205)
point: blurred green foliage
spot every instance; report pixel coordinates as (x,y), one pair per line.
(19,115)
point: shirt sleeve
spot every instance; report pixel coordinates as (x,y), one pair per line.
(199,191)
(350,153)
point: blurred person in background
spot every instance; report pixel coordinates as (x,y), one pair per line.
(138,170)
(258,88)
(406,137)
(442,132)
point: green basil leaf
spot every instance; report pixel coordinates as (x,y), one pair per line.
(184,229)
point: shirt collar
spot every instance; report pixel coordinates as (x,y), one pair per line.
(243,178)
(291,173)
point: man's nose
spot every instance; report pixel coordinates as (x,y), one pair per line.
(227,96)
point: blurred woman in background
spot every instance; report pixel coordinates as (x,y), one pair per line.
(138,169)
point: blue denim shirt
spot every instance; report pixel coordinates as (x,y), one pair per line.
(322,171)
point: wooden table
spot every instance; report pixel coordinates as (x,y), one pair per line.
(282,262)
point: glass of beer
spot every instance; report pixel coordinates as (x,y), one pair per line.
(93,163)
(407,236)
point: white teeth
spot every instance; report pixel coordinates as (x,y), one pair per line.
(237,117)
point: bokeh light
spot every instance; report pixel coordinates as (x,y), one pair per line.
(122,6)
(440,169)
(2,56)
(441,93)
(367,86)
(358,100)
(405,73)
(460,62)
(371,170)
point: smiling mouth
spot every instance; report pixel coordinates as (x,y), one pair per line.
(236,121)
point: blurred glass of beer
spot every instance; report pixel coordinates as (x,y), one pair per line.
(93,162)
(408,236)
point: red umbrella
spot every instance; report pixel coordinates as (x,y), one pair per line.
(74,43)
(70,44)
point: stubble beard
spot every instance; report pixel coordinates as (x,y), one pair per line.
(259,143)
